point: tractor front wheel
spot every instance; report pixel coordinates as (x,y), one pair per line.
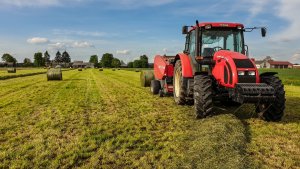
(179,84)
(273,111)
(203,95)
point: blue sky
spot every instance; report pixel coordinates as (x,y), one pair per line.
(130,28)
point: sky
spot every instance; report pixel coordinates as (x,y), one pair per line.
(130,28)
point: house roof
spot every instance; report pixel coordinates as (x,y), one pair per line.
(259,62)
(280,63)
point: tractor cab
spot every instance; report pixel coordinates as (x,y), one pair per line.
(205,39)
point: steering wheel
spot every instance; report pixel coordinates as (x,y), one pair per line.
(217,47)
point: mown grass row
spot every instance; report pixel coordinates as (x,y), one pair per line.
(95,119)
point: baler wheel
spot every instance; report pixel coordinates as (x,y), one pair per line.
(179,84)
(155,87)
(203,96)
(273,111)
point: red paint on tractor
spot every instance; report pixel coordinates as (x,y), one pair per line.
(187,70)
(224,58)
(163,67)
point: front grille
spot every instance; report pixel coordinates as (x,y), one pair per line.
(247,79)
(243,63)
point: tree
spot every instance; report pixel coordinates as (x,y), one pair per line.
(116,63)
(8,58)
(137,64)
(38,59)
(130,65)
(144,61)
(94,59)
(106,60)
(65,58)
(58,57)
(46,58)
(27,62)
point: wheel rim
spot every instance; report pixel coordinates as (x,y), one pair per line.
(177,82)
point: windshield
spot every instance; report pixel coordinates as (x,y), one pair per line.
(221,39)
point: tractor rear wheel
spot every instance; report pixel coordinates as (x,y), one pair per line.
(179,84)
(155,87)
(203,96)
(273,111)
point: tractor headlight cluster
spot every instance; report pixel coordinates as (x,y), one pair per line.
(251,73)
(241,73)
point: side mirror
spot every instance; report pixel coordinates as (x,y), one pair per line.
(185,30)
(263,32)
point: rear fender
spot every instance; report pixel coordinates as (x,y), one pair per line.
(186,63)
(268,74)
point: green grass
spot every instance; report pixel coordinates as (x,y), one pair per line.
(20,73)
(288,76)
(95,119)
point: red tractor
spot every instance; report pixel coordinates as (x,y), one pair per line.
(214,67)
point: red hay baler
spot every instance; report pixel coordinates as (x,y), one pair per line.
(214,67)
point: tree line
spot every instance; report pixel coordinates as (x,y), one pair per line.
(109,61)
(40,59)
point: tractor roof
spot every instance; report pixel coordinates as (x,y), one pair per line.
(219,24)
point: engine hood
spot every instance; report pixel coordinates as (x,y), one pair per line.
(226,53)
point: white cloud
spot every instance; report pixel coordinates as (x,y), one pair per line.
(65,44)
(38,40)
(296,57)
(58,46)
(129,4)
(79,33)
(123,52)
(31,3)
(289,10)
(82,45)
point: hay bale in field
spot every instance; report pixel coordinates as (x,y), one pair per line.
(137,70)
(113,69)
(54,74)
(11,70)
(146,77)
(100,69)
(119,69)
(79,69)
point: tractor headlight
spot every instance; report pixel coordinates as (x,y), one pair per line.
(241,73)
(251,73)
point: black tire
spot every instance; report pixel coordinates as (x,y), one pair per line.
(155,87)
(181,82)
(203,96)
(273,111)
(161,93)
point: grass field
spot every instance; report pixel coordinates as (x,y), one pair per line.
(95,119)
(20,73)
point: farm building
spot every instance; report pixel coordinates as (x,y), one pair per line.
(280,64)
(296,66)
(268,62)
(81,64)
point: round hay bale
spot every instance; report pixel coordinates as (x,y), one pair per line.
(113,69)
(79,69)
(100,69)
(11,70)
(119,69)
(146,77)
(137,70)
(54,74)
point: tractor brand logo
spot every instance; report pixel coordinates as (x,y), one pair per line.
(161,67)
(224,25)
(222,57)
